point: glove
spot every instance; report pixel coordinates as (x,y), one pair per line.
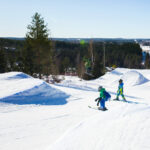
(100,99)
(96,99)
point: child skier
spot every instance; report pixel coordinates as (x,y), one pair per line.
(104,96)
(120,90)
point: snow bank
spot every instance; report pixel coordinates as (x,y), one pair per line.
(122,70)
(112,78)
(19,88)
(13,75)
(132,78)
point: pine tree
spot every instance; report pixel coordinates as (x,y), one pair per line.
(38,45)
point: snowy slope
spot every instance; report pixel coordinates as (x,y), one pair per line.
(125,126)
(39,116)
(32,126)
(122,128)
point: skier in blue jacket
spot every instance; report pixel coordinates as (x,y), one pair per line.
(120,90)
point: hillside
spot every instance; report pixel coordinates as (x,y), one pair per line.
(37,116)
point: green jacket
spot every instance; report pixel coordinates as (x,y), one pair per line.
(102,95)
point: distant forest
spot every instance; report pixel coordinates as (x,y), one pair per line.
(39,56)
(71,55)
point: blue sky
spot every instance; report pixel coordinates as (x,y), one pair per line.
(78,18)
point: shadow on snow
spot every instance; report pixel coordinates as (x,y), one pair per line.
(39,95)
(128,101)
(83,88)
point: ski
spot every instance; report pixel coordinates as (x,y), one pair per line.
(126,101)
(121,100)
(97,108)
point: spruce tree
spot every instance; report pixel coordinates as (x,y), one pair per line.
(38,46)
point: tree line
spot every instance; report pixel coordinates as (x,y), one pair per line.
(40,55)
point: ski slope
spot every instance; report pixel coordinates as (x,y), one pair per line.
(39,116)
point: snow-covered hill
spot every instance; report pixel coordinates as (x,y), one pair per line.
(19,88)
(39,116)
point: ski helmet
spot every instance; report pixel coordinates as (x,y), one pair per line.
(120,81)
(99,88)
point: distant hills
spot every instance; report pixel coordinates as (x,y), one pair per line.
(12,38)
(87,39)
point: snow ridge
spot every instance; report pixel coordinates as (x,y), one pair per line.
(132,78)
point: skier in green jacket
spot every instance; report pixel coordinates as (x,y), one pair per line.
(104,96)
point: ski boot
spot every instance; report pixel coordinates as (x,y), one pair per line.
(103,109)
(116,99)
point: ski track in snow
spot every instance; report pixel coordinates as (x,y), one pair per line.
(59,117)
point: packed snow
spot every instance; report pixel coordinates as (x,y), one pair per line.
(40,116)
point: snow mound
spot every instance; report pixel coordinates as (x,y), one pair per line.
(132,78)
(13,75)
(121,70)
(24,89)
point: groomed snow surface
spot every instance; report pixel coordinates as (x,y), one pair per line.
(35,115)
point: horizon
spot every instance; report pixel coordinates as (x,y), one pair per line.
(83,38)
